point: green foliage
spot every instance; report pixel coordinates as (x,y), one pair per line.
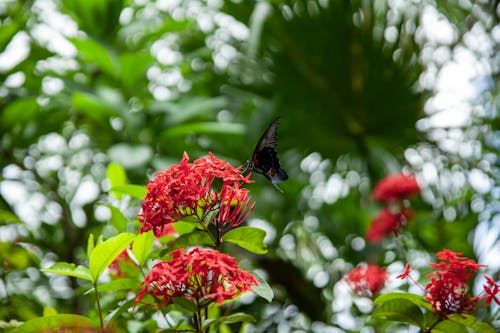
(68,322)
(249,238)
(64,268)
(406,308)
(105,252)
(142,247)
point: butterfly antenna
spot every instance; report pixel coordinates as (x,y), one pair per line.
(278,188)
(246,166)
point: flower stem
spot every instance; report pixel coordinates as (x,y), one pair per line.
(98,305)
(433,325)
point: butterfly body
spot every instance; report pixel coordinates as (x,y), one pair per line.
(265,157)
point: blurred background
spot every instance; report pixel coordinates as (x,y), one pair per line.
(364,89)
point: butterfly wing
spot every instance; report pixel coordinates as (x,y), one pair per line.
(265,158)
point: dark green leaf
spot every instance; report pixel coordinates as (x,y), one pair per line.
(249,238)
(196,237)
(64,268)
(185,304)
(415,299)
(400,310)
(96,53)
(232,318)
(20,111)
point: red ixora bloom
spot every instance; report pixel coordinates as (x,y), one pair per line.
(396,188)
(201,275)
(448,289)
(366,280)
(189,190)
(387,223)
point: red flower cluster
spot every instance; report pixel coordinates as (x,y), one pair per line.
(387,223)
(448,289)
(395,188)
(366,280)
(202,275)
(188,190)
(392,189)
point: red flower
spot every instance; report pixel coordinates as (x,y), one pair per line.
(387,223)
(406,273)
(395,188)
(202,275)
(366,280)
(448,289)
(189,190)
(492,289)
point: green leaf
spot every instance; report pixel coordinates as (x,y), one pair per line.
(106,252)
(116,175)
(471,321)
(135,191)
(134,66)
(94,52)
(204,128)
(249,238)
(263,289)
(142,246)
(196,237)
(400,310)
(232,318)
(58,322)
(90,245)
(415,299)
(120,284)
(16,256)
(64,268)
(7,217)
(92,106)
(185,304)
(20,111)
(182,227)
(447,326)
(118,220)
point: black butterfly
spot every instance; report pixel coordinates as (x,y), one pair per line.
(265,158)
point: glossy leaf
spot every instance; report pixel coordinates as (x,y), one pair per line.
(471,322)
(249,238)
(94,52)
(64,268)
(142,246)
(400,310)
(196,237)
(106,252)
(415,299)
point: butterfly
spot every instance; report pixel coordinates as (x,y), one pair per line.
(265,157)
